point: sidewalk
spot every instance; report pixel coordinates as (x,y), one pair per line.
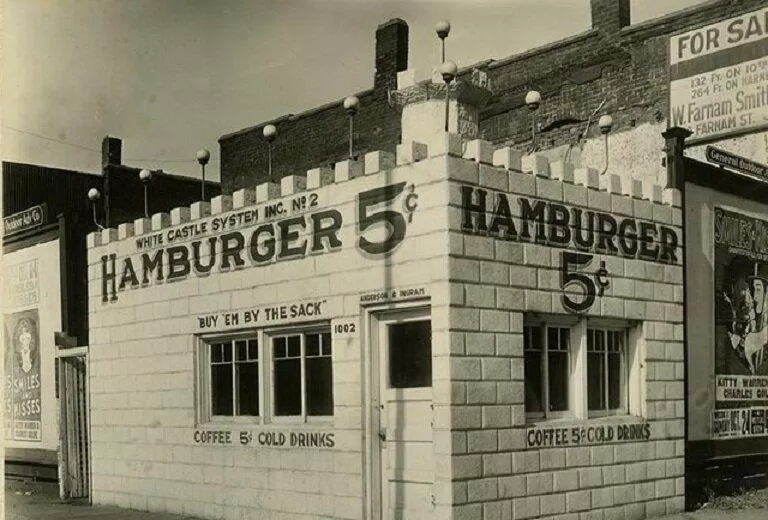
(43,504)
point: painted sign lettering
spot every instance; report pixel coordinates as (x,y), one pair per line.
(586,435)
(571,275)
(739,423)
(272,438)
(21,284)
(743,165)
(719,76)
(558,225)
(344,328)
(299,311)
(24,220)
(393,294)
(241,239)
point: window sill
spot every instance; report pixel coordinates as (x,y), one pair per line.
(561,422)
(222,423)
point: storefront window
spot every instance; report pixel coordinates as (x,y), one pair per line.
(547,369)
(578,368)
(291,376)
(234,372)
(303,382)
(605,370)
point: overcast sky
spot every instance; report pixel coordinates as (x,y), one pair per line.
(171,76)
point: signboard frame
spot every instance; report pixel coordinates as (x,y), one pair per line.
(728,55)
(31,218)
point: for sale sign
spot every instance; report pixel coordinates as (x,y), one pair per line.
(719,77)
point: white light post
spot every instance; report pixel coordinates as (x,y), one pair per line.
(442,28)
(203,156)
(270,133)
(145,175)
(94,195)
(448,70)
(605,123)
(533,101)
(351,105)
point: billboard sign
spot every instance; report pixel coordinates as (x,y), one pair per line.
(719,77)
(741,324)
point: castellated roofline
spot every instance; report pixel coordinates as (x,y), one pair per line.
(497,165)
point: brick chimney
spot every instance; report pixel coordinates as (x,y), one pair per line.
(111,151)
(609,16)
(391,53)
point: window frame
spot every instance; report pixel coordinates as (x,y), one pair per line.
(203,381)
(544,328)
(632,372)
(303,418)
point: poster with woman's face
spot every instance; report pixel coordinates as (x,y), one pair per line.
(741,325)
(741,307)
(22,377)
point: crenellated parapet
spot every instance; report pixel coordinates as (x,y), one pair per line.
(480,163)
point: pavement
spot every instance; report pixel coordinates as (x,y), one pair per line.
(41,502)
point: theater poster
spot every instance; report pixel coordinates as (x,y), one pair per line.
(741,325)
(22,394)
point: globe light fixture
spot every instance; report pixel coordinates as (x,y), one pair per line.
(269,133)
(94,195)
(442,28)
(533,101)
(605,123)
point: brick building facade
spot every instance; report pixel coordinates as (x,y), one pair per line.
(446,325)
(428,285)
(617,67)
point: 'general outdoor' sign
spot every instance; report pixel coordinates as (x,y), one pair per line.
(741,164)
(24,220)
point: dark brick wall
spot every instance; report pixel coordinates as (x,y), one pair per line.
(65,193)
(321,136)
(624,65)
(124,193)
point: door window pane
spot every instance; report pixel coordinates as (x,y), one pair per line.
(410,354)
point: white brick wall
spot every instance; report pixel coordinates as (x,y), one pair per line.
(143,371)
(628,479)
(143,380)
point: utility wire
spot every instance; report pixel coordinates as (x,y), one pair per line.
(92,150)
